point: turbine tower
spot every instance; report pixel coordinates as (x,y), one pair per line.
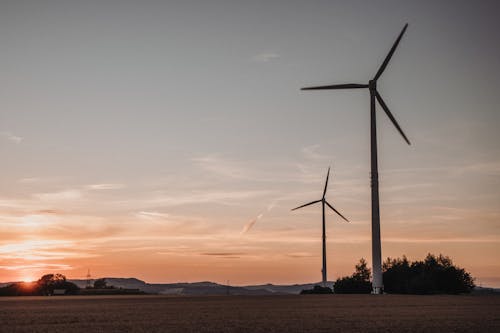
(377,283)
(323,203)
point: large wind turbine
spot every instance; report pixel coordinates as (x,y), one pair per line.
(374,95)
(323,203)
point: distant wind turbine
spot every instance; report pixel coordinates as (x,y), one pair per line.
(323,203)
(374,95)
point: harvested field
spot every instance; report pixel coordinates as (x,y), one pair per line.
(306,313)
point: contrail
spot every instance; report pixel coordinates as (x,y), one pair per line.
(250,224)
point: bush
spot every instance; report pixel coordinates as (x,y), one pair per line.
(317,290)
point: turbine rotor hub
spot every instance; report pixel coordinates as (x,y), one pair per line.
(372,85)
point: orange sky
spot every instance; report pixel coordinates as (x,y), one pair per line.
(281,247)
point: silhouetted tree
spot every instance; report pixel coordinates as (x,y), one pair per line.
(49,282)
(357,283)
(362,272)
(433,275)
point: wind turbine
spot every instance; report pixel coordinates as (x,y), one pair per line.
(377,283)
(323,203)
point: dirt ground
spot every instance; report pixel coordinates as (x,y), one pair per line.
(300,313)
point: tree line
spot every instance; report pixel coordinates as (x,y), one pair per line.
(433,275)
(46,285)
(42,287)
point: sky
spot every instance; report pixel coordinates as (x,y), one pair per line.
(168,140)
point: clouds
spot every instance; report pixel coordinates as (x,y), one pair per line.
(205,196)
(65,195)
(306,168)
(40,266)
(224,255)
(265,57)
(39,250)
(11,137)
(74,195)
(100,187)
(151,215)
(220,166)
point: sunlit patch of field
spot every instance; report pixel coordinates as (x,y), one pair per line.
(306,313)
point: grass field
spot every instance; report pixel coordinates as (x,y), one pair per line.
(306,313)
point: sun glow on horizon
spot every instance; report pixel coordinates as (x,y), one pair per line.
(27,279)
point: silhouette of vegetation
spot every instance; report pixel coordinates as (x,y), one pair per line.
(357,283)
(49,282)
(317,290)
(44,286)
(433,275)
(102,284)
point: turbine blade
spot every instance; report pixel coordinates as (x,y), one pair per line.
(391,117)
(307,204)
(337,86)
(326,183)
(342,216)
(389,55)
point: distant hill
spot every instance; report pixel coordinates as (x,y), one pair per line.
(200,288)
(211,288)
(285,289)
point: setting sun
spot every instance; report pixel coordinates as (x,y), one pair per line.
(27,278)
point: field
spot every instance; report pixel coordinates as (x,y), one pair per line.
(307,313)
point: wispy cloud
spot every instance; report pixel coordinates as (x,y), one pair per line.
(60,196)
(266,57)
(486,168)
(36,250)
(151,215)
(37,266)
(311,152)
(29,180)
(221,166)
(11,137)
(198,197)
(221,254)
(49,211)
(301,255)
(313,165)
(246,170)
(99,187)
(443,240)
(224,255)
